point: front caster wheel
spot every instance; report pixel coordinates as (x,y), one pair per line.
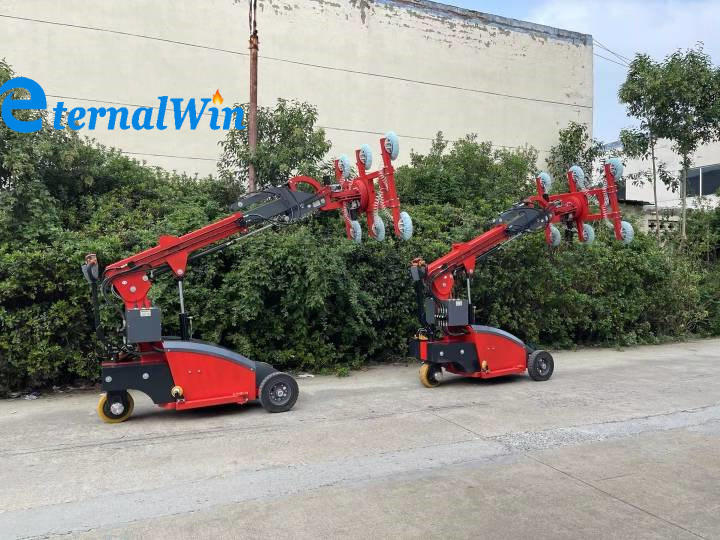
(540,365)
(429,375)
(115,407)
(278,392)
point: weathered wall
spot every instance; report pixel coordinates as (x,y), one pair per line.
(706,155)
(412,66)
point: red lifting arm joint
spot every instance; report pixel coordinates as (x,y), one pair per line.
(368,193)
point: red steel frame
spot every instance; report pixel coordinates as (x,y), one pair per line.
(174,251)
(576,203)
(212,380)
(574,206)
(133,285)
(500,354)
(360,191)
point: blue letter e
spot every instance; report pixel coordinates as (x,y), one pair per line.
(37,101)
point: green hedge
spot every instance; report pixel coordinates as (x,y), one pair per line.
(304,297)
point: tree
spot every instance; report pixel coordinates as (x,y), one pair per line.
(466,172)
(304,297)
(641,93)
(575,147)
(687,108)
(640,144)
(288,144)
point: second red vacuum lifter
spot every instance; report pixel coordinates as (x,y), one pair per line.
(448,338)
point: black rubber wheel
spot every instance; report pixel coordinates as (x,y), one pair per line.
(540,365)
(278,392)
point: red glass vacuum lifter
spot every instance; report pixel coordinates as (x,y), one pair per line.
(448,338)
(185,373)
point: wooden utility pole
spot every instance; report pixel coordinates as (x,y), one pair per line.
(252,123)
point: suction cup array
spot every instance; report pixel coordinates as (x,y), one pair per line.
(379,228)
(616,167)
(355,231)
(344,166)
(627,232)
(583,204)
(555,236)
(366,156)
(588,233)
(372,193)
(406,226)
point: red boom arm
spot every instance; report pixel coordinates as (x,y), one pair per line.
(536,212)
(129,276)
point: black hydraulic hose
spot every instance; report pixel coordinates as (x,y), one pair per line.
(420,297)
(96,312)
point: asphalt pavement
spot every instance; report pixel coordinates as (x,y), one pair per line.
(618,444)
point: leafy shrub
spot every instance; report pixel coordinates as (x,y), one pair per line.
(304,297)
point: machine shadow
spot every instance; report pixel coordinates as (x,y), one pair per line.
(200,413)
(459,380)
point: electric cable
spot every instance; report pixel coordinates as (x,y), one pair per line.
(296,62)
(610,60)
(618,55)
(332,128)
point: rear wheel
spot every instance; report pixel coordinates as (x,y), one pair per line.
(115,407)
(278,392)
(540,365)
(429,375)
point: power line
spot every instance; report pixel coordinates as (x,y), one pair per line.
(610,60)
(168,156)
(618,55)
(121,33)
(299,63)
(428,83)
(333,128)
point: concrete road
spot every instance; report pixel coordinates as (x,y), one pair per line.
(616,445)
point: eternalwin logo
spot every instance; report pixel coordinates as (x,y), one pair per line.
(184,113)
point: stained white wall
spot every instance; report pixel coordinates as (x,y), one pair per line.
(412,66)
(708,154)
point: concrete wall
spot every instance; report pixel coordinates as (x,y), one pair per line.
(706,155)
(412,66)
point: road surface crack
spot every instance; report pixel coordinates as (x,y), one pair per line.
(616,498)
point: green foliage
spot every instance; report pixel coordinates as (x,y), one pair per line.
(703,248)
(638,144)
(468,172)
(575,147)
(303,297)
(288,144)
(642,93)
(688,105)
(676,99)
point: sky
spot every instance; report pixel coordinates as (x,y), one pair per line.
(655,27)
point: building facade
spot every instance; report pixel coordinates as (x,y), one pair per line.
(703,184)
(412,66)
(703,176)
